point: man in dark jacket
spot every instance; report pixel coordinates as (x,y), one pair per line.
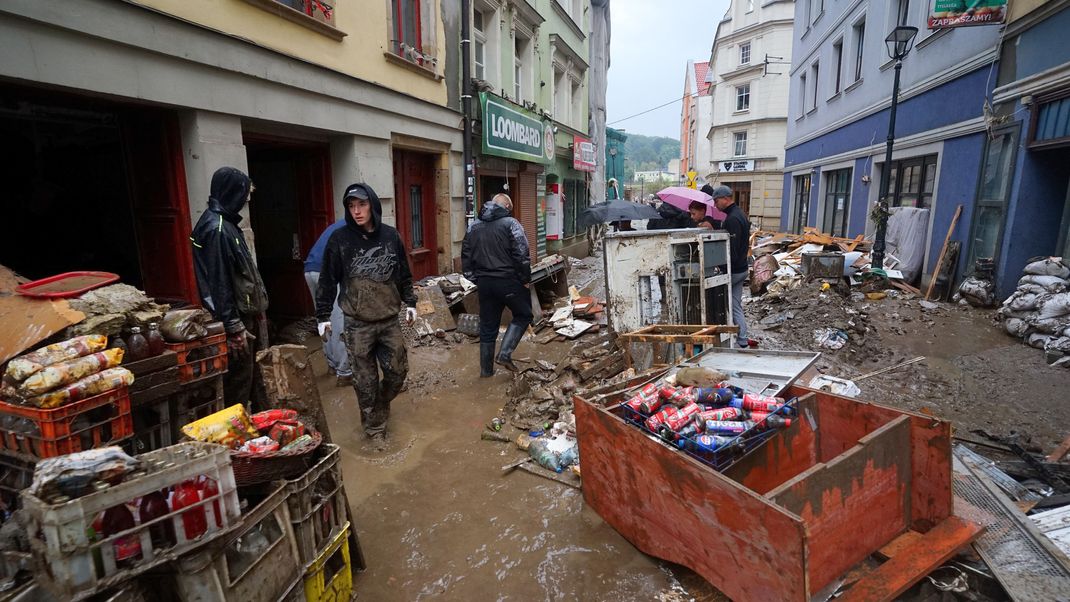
(367,259)
(229,283)
(738,227)
(494,255)
(671,218)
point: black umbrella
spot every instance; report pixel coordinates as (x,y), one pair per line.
(615,211)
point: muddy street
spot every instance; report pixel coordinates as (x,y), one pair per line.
(438,520)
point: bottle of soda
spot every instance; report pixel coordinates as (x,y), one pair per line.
(153,506)
(127,548)
(155,340)
(208,489)
(194,522)
(137,348)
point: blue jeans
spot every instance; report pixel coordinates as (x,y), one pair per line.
(334,348)
(737,307)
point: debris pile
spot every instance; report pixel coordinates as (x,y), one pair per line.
(111,308)
(542,390)
(1039,311)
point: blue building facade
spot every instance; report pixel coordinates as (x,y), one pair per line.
(1026,182)
(838,123)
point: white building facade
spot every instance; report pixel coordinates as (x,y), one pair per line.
(695,121)
(749,85)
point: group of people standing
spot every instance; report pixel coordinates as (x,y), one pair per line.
(359,278)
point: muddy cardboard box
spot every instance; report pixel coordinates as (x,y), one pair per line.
(787,519)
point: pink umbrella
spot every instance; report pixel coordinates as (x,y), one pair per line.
(682,197)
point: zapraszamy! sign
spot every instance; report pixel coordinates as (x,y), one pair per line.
(963,13)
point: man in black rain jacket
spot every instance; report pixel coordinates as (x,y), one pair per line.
(367,259)
(227,279)
(494,255)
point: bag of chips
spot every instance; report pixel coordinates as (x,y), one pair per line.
(229,427)
(94,384)
(67,372)
(25,366)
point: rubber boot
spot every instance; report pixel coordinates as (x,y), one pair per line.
(511,339)
(486,360)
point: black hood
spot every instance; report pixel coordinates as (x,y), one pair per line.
(492,211)
(377,206)
(230,190)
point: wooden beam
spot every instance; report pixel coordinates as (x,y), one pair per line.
(943,251)
(913,562)
(1059,452)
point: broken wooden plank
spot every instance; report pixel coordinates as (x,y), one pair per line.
(1059,452)
(913,562)
(601,365)
(535,469)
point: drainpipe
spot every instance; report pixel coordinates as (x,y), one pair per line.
(466,108)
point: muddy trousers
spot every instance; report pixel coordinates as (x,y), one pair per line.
(738,280)
(375,346)
(238,380)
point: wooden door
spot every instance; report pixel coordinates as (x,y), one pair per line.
(414,206)
(157,181)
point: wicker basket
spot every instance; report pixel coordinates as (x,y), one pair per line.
(252,469)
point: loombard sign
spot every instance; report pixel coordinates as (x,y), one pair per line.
(514,132)
(960,13)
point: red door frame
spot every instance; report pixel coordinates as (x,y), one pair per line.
(412,167)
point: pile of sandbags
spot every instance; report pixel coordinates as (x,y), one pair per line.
(1039,311)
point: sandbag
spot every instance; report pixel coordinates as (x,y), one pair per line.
(1023,301)
(1051,284)
(1058,344)
(1034,289)
(1054,306)
(978,292)
(1048,325)
(1016,327)
(1038,340)
(1048,266)
(762,273)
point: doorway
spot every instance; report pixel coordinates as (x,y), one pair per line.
(740,194)
(289,210)
(92,185)
(414,207)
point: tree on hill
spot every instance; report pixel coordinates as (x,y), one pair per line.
(647,153)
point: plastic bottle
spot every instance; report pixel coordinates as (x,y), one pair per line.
(127,548)
(707,443)
(540,452)
(570,456)
(137,348)
(209,488)
(155,340)
(194,522)
(153,506)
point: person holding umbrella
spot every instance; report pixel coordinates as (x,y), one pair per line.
(738,226)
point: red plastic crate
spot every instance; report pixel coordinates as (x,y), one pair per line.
(93,422)
(204,357)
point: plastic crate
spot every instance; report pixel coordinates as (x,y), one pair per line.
(195,401)
(256,562)
(93,422)
(152,426)
(204,357)
(330,577)
(74,567)
(318,506)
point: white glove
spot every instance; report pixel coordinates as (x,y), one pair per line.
(410,315)
(324,329)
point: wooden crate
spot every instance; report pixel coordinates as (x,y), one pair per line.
(845,479)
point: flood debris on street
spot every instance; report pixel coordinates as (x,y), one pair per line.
(1038,312)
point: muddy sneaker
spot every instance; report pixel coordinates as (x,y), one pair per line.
(378,441)
(344,381)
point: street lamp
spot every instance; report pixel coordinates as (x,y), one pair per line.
(899,42)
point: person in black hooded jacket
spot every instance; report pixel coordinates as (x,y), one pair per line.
(494,255)
(367,259)
(230,286)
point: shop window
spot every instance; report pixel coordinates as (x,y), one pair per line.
(911,182)
(837,201)
(574,203)
(997,169)
(801,204)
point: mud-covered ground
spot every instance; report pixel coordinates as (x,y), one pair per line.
(438,519)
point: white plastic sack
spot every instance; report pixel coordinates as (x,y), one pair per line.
(1048,325)
(907,236)
(1022,301)
(1052,284)
(977,292)
(1049,266)
(1016,327)
(1038,340)
(1054,306)
(1033,289)
(1058,344)
(836,386)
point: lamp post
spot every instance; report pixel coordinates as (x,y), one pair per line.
(899,42)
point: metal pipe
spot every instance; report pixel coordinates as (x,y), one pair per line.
(466,109)
(882,204)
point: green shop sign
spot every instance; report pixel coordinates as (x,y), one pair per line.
(514,132)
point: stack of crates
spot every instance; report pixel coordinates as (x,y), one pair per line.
(201,367)
(319,511)
(151,395)
(96,421)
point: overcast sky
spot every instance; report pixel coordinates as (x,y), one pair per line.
(650,45)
